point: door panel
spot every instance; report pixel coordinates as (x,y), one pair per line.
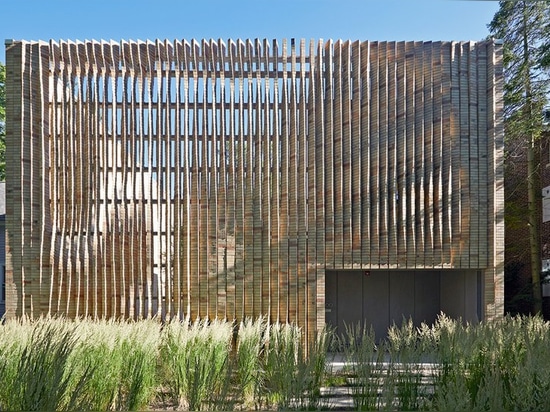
(472,293)
(426,296)
(452,293)
(331,298)
(350,298)
(401,296)
(376,289)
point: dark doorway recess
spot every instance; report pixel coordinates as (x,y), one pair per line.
(383,297)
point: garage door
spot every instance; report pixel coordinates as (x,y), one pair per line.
(381,297)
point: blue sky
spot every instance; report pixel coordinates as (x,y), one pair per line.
(171,19)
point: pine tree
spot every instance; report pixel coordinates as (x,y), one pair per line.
(524,26)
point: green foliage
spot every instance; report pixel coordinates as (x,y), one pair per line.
(366,365)
(55,364)
(2,93)
(195,358)
(250,344)
(524,26)
(292,379)
(36,370)
(123,356)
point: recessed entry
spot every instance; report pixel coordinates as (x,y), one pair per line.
(382,297)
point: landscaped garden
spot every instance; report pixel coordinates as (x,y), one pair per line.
(109,365)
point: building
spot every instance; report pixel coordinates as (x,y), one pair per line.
(2,248)
(320,182)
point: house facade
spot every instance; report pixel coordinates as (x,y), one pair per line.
(2,248)
(312,182)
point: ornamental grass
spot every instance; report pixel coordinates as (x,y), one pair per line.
(57,364)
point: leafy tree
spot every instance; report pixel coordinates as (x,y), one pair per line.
(524,26)
(2,122)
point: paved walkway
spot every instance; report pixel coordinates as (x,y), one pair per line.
(341,397)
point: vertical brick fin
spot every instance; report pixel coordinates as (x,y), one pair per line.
(265,154)
(292,192)
(256,166)
(17,100)
(115,167)
(437,186)
(53,193)
(356,115)
(123,135)
(311,309)
(383,178)
(337,156)
(446,153)
(178,206)
(211,158)
(205,240)
(485,220)
(494,274)
(427,159)
(366,202)
(86,232)
(83,179)
(33,219)
(374,157)
(410,206)
(401,156)
(465,153)
(247,51)
(219,141)
(170,141)
(301,192)
(345,130)
(454,137)
(23,117)
(228,139)
(87,173)
(329,188)
(284,225)
(474,156)
(144,177)
(392,153)
(161,160)
(236,56)
(197,251)
(67,172)
(418,156)
(152,217)
(61,160)
(97,190)
(275,185)
(185,161)
(42,190)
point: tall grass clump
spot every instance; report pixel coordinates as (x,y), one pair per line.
(196,363)
(123,355)
(292,378)
(500,365)
(364,365)
(36,367)
(406,386)
(250,344)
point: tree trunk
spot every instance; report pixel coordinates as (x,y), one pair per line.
(533,180)
(533,189)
